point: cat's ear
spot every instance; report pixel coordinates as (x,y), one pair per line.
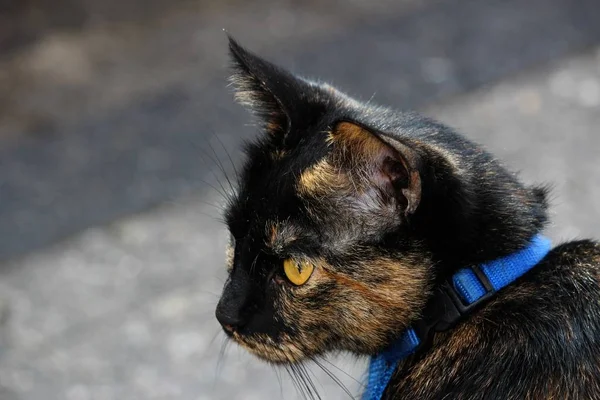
(273,94)
(387,164)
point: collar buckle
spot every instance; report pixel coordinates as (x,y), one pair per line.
(461,304)
(447,307)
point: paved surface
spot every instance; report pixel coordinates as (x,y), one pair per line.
(125,310)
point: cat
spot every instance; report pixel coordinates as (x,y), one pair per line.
(350,218)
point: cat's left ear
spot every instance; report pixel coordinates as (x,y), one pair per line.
(387,164)
(278,98)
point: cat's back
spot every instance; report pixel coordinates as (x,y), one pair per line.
(569,276)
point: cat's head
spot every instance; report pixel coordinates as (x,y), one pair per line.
(330,247)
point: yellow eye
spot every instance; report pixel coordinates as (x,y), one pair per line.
(297,273)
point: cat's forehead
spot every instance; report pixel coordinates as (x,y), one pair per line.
(279,235)
(268,198)
(293,191)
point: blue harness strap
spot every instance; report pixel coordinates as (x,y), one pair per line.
(382,366)
(471,285)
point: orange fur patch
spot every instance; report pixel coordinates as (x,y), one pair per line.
(357,141)
(273,127)
(278,155)
(321,179)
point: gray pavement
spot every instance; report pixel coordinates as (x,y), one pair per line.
(125,311)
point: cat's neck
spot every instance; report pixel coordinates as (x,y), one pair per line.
(468,218)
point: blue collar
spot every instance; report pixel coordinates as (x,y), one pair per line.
(465,290)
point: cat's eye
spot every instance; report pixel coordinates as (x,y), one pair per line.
(297,272)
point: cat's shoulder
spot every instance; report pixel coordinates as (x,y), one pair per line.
(576,251)
(574,257)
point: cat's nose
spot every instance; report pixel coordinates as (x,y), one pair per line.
(229,318)
(229,311)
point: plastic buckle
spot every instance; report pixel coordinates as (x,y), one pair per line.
(447,307)
(461,305)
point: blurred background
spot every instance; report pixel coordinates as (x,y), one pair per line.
(115,124)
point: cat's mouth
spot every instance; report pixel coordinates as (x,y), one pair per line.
(282,351)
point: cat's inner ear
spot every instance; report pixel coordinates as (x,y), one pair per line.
(270,92)
(383,163)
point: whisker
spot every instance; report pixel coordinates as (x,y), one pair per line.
(235,171)
(308,387)
(309,379)
(297,381)
(221,191)
(179,202)
(278,375)
(211,293)
(221,166)
(254,263)
(303,382)
(293,379)
(209,347)
(219,360)
(216,219)
(221,163)
(224,345)
(334,378)
(217,206)
(371,99)
(343,372)
(309,372)
(224,192)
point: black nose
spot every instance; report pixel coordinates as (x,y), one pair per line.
(229,317)
(233,301)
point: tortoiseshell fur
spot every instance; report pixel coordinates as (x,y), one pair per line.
(386,205)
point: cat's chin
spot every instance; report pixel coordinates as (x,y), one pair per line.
(267,349)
